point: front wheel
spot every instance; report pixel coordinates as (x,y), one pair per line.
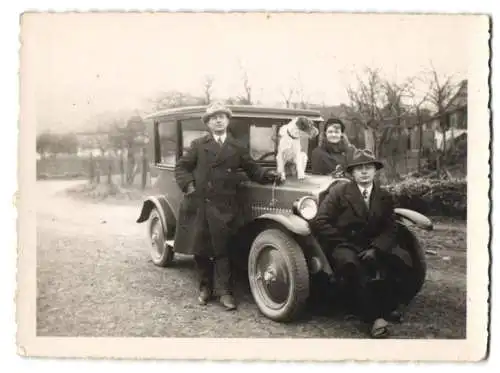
(278,275)
(162,254)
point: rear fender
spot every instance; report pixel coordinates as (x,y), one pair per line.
(407,216)
(164,209)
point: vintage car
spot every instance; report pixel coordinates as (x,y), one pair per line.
(274,243)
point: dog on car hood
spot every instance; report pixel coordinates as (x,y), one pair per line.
(289,148)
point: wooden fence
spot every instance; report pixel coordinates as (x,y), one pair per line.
(95,169)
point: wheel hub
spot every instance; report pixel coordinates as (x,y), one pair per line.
(156,241)
(272,276)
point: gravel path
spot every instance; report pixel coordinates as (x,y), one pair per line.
(95,279)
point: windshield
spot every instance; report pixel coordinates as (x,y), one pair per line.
(259,135)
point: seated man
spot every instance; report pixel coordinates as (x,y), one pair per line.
(355,225)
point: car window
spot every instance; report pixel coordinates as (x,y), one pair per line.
(167,143)
(264,137)
(191,130)
(263,143)
(258,135)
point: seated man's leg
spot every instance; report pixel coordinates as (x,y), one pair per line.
(400,281)
(353,276)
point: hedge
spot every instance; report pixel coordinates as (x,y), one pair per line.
(432,197)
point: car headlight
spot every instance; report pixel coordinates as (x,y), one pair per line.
(306,207)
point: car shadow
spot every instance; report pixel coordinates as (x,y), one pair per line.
(324,301)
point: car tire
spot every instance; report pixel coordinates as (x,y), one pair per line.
(162,254)
(278,275)
(410,242)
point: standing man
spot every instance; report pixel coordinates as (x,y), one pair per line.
(207,174)
(355,224)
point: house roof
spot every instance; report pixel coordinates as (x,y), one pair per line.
(459,100)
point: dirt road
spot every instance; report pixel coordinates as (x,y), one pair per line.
(95,279)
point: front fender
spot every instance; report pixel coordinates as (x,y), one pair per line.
(293,223)
(413,217)
(299,226)
(165,210)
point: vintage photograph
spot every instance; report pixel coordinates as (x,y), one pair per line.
(262,176)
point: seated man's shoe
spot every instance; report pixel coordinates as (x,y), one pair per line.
(395,316)
(204,296)
(380,329)
(228,302)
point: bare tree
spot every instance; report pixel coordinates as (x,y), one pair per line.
(441,90)
(301,92)
(287,95)
(246,98)
(393,129)
(367,100)
(173,99)
(207,88)
(416,105)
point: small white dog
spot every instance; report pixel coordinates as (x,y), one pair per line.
(289,149)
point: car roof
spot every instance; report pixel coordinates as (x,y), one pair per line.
(238,111)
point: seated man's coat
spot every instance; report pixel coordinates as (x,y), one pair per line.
(344,219)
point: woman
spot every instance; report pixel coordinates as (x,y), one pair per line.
(331,156)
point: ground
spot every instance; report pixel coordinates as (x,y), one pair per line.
(95,279)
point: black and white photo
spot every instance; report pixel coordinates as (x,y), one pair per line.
(307,180)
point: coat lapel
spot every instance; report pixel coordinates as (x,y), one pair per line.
(211,147)
(375,201)
(226,151)
(353,195)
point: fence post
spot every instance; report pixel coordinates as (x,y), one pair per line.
(144,168)
(110,169)
(122,168)
(91,168)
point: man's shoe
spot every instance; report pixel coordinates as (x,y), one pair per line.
(395,316)
(204,296)
(228,302)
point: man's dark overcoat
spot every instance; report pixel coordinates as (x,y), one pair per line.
(344,219)
(210,211)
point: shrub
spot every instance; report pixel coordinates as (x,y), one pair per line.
(431,196)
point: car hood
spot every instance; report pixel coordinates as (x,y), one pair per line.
(312,184)
(286,193)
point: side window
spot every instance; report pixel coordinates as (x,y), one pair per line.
(191,130)
(167,143)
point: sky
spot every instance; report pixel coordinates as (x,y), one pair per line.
(78,67)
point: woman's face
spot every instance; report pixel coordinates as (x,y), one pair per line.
(333,133)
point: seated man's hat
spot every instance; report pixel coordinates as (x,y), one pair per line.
(363,156)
